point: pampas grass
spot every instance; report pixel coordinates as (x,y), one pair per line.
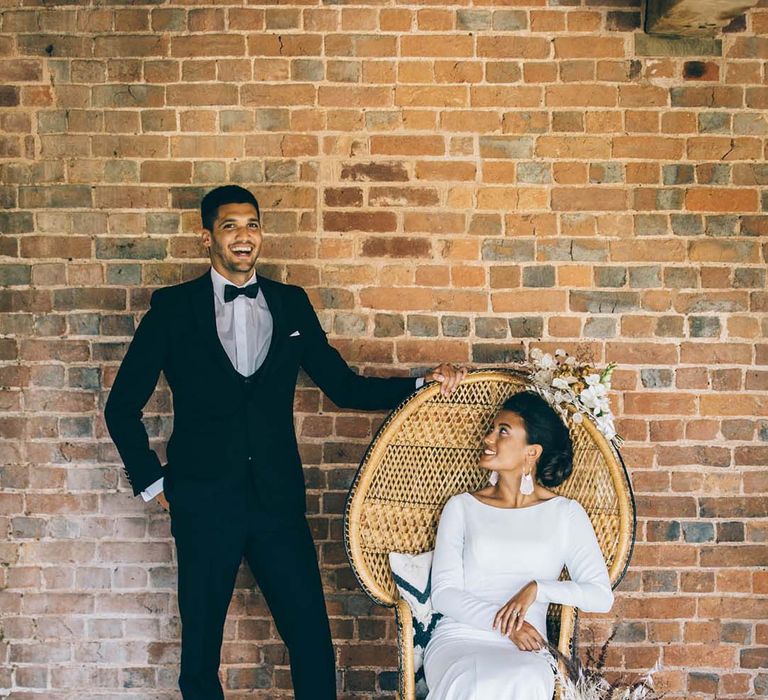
(587,681)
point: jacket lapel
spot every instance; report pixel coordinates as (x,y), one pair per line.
(274,301)
(203,305)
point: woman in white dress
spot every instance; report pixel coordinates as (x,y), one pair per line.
(498,556)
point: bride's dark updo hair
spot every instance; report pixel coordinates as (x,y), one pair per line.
(544,427)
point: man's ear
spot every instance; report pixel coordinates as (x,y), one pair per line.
(205,238)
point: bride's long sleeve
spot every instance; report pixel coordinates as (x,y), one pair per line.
(449,596)
(589,588)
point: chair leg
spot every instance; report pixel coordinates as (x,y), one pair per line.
(406,675)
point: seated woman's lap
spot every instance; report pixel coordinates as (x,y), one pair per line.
(481,670)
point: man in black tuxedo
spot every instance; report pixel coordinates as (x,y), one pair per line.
(230,344)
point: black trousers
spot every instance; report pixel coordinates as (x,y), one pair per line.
(215,525)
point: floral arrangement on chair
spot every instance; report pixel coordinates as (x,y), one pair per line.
(574,387)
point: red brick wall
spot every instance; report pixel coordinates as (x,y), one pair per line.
(450,182)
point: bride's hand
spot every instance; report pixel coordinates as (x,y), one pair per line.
(527,638)
(512,614)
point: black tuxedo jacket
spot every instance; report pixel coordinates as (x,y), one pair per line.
(224,422)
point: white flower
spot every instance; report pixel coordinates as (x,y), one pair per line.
(546,361)
(599,389)
(592,379)
(589,397)
(560,353)
(578,418)
(560,383)
(605,426)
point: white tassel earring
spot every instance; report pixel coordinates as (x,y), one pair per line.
(526,485)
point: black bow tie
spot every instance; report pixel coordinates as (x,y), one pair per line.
(231,292)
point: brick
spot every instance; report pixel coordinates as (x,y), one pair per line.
(445,171)
(508,250)
(721,200)
(501,96)
(84,298)
(646,45)
(512,47)
(277,95)
(21,70)
(396,247)
(754,658)
(202,94)
(645,147)
(706,96)
(11,274)
(447,45)
(359,221)
(343,197)
(388,325)
(131,248)
(397,20)
(528,301)
(58,196)
(588,47)
(622,21)
(399,299)
(428,96)
(401,196)
(408,145)
(422,326)
(589,199)
(721,148)
(506,147)
(285,45)
(130,45)
(473,20)
(577,96)
(724,250)
(51,45)
(213,45)
(572,147)
(360,45)
(165,171)
(488,353)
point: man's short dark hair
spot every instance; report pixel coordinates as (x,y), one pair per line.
(228,194)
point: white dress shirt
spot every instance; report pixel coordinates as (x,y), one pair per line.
(245,327)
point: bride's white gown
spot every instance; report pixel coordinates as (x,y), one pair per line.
(483,556)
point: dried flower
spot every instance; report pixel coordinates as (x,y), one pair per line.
(587,681)
(574,387)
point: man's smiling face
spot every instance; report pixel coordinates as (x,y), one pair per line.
(235,241)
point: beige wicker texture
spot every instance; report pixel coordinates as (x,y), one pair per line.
(426,452)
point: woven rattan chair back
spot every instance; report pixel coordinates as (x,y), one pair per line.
(427,451)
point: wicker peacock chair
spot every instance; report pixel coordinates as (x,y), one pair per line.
(426,452)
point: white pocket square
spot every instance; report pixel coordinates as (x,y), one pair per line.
(294,334)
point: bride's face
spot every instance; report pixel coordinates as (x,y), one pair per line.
(505,445)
